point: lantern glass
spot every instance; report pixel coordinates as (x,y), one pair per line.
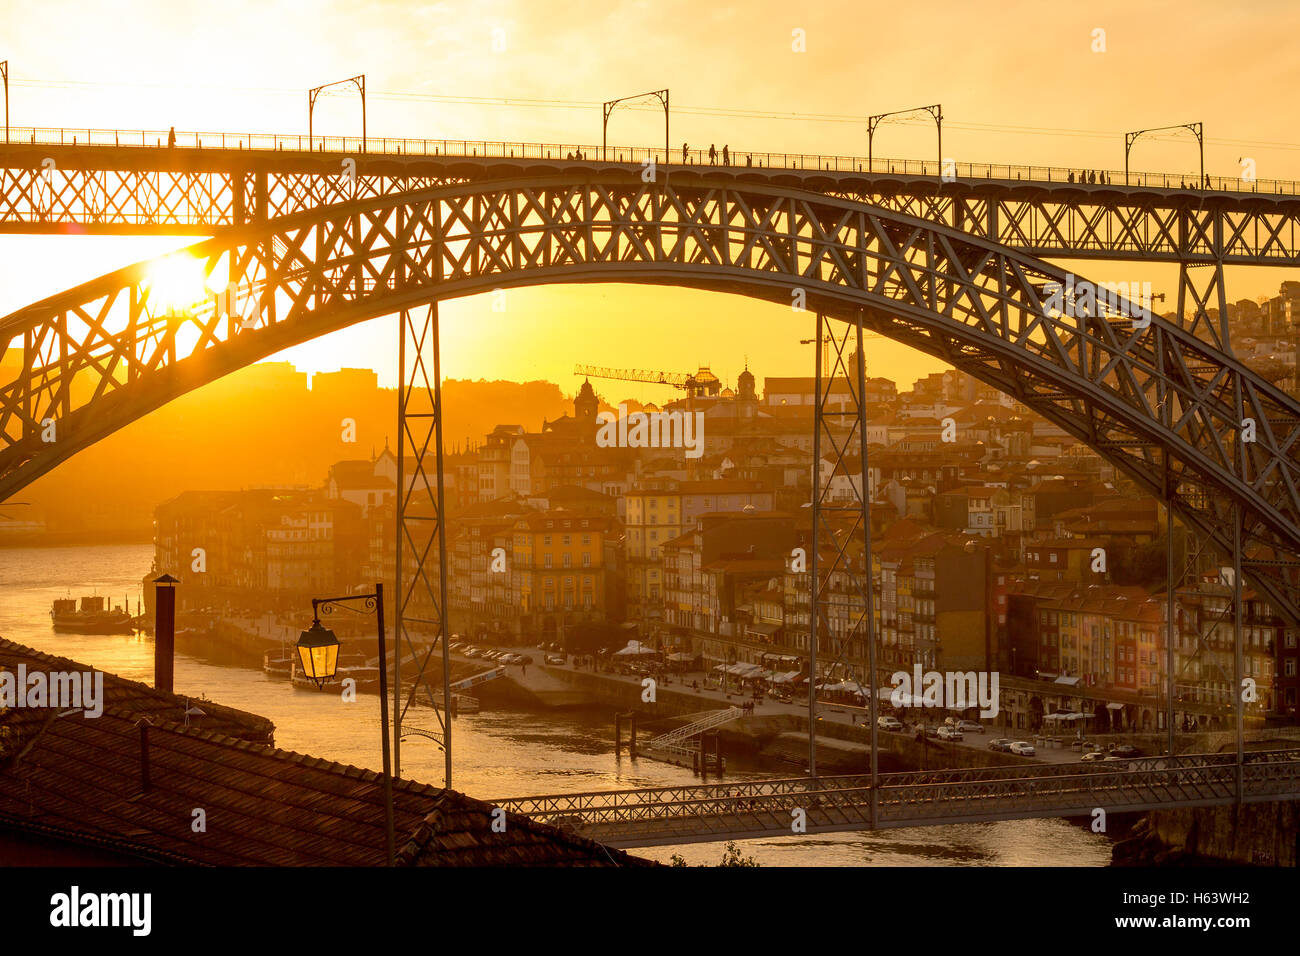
(318,653)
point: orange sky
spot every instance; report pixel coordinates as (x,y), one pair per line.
(1018,81)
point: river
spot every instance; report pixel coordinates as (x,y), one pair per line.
(496,754)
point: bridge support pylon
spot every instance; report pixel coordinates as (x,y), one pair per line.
(841,607)
(421,553)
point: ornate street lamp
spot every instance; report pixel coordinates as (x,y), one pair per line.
(318,653)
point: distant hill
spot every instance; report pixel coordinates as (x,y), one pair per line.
(261,425)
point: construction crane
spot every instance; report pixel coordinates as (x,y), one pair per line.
(703,382)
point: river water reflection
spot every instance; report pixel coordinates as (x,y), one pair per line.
(501,753)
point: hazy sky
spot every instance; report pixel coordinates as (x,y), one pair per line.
(1018,81)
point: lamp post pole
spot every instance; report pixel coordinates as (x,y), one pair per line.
(1197,130)
(608,107)
(373,601)
(360,83)
(935,111)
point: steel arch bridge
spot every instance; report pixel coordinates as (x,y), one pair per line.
(1160,403)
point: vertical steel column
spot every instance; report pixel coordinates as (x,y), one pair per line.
(421,535)
(399,512)
(813,585)
(1170,611)
(868,572)
(1238,704)
(390,843)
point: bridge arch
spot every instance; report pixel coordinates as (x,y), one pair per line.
(1168,409)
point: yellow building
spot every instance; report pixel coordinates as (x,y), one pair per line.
(558,569)
(654,517)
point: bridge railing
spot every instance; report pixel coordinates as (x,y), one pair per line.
(344,146)
(922,794)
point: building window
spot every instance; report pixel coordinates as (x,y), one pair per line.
(546,540)
(546,561)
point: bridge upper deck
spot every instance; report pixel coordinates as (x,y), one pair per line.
(198,150)
(131,182)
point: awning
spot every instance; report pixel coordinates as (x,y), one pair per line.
(1071,681)
(634,649)
(681,657)
(1114,706)
(767,630)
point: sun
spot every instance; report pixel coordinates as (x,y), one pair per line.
(176,284)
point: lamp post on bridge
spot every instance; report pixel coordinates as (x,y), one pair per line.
(359,82)
(608,108)
(1197,130)
(4,71)
(318,655)
(936,111)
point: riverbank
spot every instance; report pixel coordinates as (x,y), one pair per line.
(74,539)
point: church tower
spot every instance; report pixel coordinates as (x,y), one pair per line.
(586,405)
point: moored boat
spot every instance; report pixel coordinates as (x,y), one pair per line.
(92,617)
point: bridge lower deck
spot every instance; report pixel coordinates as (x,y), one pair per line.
(771,808)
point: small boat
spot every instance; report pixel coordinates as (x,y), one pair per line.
(90,618)
(366,677)
(278,664)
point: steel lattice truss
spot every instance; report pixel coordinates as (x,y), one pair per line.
(1106,222)
(710,812)
(98,356)
(63,188)
(421,565)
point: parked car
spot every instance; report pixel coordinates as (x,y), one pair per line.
(1023,748)
(970,727)
(949,733)
(1124,750)
(885,722)
(556,659)
(1093,755)
(472,652)
(1002,744)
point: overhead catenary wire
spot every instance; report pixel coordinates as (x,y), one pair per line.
(680,109)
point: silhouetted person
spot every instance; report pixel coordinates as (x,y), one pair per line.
(1207,180)
(1071,177)
(713,155)
(726,156)
(171,136)
(684,152)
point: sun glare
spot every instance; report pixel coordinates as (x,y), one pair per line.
(176,284)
